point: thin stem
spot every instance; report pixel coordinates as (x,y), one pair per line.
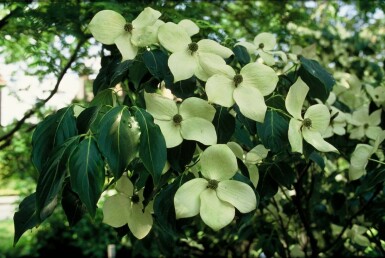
(377,161)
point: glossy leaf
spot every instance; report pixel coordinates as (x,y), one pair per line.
(273,131)
(152,147)
(72,205)
(156,62)
(86,118)
(241,55)
(51,178)
(86,169)
(53,131)
(181,155)
(282,173)
(118,139)
(184,89)
(25,218)
(224,124)
(317,78)
(104,97)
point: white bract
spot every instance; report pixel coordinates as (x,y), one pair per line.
(360,157)
(109,27)
(312,125)
(126,207)
(247,89)
(215,196)
(190,120)
(263,45)
(377,94)
(365,124)
(250,159)
(189,58)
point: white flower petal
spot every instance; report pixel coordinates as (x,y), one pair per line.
(215,213)
(260,76)
(359,160)
(372,132)
(256,154)
(146,18)
(360,116)
(116,210)
(218,162)
(187,200)
(213,64)
(196,107)
(250,47)
(171,133)
(295,135)
(211,46)
(319,116)
(182,65)
(198,129)
(220,89)
(173,37)
(190,27)
(237,149)
(253,174)
(161,108)
(267,39)
(316,140)
(251,103)
(124,186)
(357,133)
(146,36)
(106,26)
(375,117)
(238,194)
(267,57)
(296,97)
(140,223)
(126,48)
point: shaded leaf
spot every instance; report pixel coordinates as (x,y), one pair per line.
(241,55)
(282,173)
(86,169)
(104,97)
(181,155)
(224,124)
(118,139)
(267,187)
(156,62)
(86,118)
(73,207)
(152,146)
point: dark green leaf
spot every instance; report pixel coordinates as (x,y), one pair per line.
(224,124)
(267,187)
(86,169)
(104,97)
(25,218)
(241,55)
(120,71)
(377,176)
(118,139)
(318,159)
(51,178)
(184,89)
(181,155)
(273,131)
(86,118)
(152,147)
(156,62)
(137,72)
(317,78)
(54,130)
(242,135)
(282,173)
(72,205)
(277,102)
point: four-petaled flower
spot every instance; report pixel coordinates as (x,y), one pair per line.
(365,124)
(312,125)
(109,27)
(247,89)
(190,58)
(215,196)
(191,120)
(126,207)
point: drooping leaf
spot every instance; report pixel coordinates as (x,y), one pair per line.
(152,147)
(184,89)
(105,97)
(86,169)
(72,205)
(25,218)
(241,55)
(54,130)
(317,78)
(181,155)
(267,187)
(118,139)
(224,124)
(50,180)
(86,118)
(318,159)
(156,62)
(138,71)
(282,173)
(273,131)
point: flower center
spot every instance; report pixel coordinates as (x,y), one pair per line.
(213,184)
(193,47)
(261,46)
(177,119)
(135,198)
(306,122)
(366,126)
(237,79)
(128,27)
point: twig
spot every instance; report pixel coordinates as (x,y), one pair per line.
(32,111)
